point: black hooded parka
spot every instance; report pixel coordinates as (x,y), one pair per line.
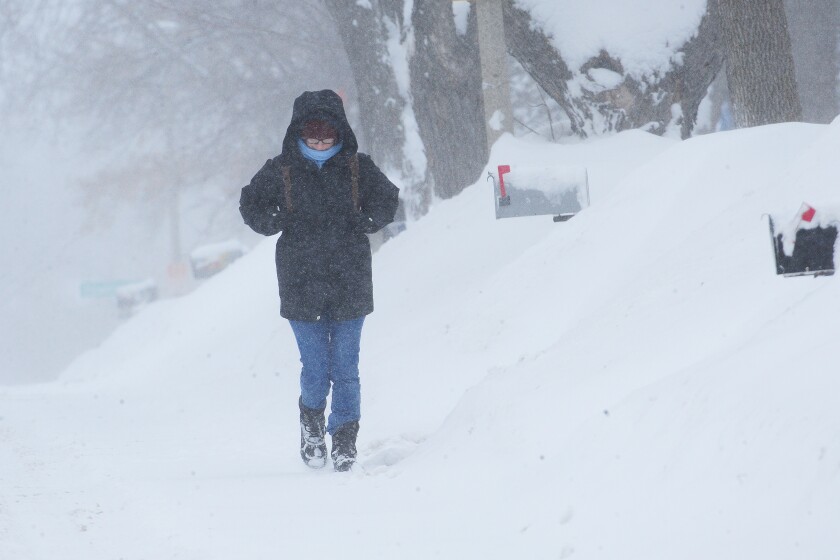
(323,255)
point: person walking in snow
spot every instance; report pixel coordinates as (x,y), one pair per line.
(324,196)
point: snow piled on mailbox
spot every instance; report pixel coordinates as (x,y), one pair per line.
(807,217)
(554,181)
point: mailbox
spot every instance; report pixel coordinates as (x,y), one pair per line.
(806,245)
(558,190)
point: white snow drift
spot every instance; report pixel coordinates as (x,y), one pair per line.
(634,383)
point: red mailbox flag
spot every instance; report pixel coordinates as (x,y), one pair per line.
(807,212)
(502,170)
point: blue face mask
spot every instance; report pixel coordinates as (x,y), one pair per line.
(318,156)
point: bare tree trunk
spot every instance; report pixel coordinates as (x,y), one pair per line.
(363,32)
(375,36)
(759,63)
(540,59)
(630,104)
(703,61)
(446,88)
(814,27)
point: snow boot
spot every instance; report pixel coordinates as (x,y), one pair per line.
(344,446)
(313,448)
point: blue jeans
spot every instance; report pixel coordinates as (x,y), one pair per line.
(329,352)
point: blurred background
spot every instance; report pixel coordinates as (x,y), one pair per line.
(128,131)
(129,127)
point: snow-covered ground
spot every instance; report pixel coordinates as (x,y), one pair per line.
(634,383)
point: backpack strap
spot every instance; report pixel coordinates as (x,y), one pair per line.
(287,186)
(354,181)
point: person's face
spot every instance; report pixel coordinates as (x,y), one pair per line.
(320,144)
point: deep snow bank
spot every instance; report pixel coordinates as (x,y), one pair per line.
(677,383)
(635,382)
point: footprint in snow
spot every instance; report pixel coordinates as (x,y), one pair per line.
(379,456)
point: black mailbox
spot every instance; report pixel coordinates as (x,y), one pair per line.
(804,248)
